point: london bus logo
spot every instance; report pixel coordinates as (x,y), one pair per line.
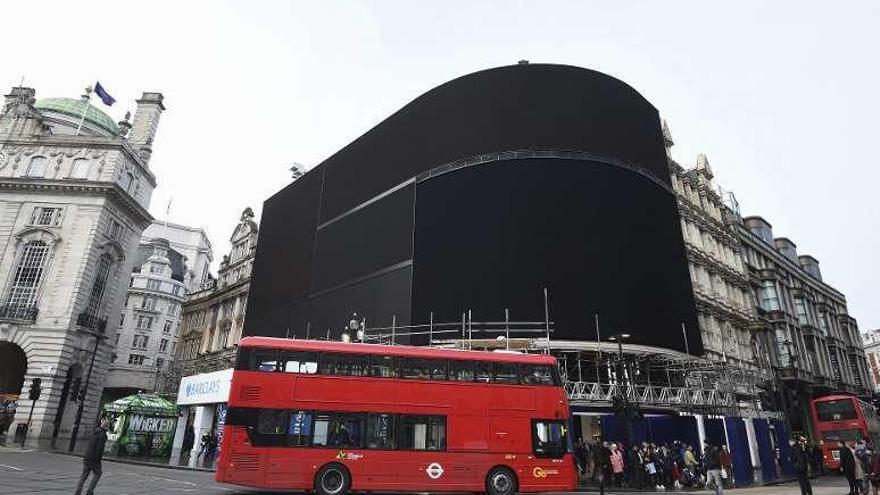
(539,472)
(434,470)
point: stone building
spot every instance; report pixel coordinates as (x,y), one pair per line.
(213,315)
(75,187)
(721,285)
(814,344)
(871,342)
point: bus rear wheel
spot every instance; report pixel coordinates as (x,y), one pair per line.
(501,481)
(332,479)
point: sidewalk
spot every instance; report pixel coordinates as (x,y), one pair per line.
(159,463)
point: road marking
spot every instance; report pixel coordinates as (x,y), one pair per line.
(11,467)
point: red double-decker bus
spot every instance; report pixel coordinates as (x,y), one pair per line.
(336,417)
(843,418)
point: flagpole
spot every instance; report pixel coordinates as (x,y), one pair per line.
(86,98)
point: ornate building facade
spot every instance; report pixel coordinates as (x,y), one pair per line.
(213,316)
(721,287)
(74,191)
(172,260)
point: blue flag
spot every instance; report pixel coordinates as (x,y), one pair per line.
(104,95)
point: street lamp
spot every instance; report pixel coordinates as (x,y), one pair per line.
(99,335)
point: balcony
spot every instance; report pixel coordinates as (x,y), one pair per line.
(19,312)
(91,322)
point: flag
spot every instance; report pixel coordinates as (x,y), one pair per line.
(104,95)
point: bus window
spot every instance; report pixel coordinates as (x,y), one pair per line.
(300,362)
(384,367)
(381,431)
(424,369)
(422,432)
(343,364)
(549,438)
(842,435)
(835,410)
(504,373)
(338,430)
(271,427)
(484,371)
(461,371)
(265,360)
(532,374)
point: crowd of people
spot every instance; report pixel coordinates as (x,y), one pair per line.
(860,463)
(650,466)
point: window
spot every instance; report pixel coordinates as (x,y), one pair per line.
(117,339)
(160,362)
(155,268)
(154,284)
(537,375)
(484,371)
(176,290)
(461,371)
(140,341)
(835,410)
(121,319)
(381,431)
(549,438)
(28,273)
(46,216)
(37,167)
(338,430)
(424,369)
(114,229)
(145,322)
(384,367)
(79,169)
(163,345)
(343,364)
(135,359)
(504,373)
(300,362)
(801,310)
(299,430)
(148,303)
(422,432)
(769,296)
(97,293)
(167,328)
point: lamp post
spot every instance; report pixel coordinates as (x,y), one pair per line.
(99,335)
(622,405)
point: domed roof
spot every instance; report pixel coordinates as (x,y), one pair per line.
(74,108)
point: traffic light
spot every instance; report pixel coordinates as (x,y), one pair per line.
(35,389)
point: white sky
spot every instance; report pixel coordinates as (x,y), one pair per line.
(781,96)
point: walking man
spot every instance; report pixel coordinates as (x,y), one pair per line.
(849,466)
(92,458)
(800,460)
(713,467)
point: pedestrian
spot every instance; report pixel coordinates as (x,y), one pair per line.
(603,465)
(634,468)
(726,467)
(849,466)
(818,460)
(617,465)
(874,475)
(800,461)
(712,461)
(92,458)
(189,439)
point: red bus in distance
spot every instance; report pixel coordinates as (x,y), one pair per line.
(843,418)
(337,417)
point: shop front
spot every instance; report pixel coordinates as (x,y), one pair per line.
(202,401)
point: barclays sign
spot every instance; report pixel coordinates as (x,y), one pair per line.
(207,388)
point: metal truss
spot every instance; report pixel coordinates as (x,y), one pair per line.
(650,395)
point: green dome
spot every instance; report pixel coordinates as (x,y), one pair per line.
(74,108)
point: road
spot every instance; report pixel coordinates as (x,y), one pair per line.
(29,472)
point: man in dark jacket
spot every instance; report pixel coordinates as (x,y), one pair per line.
(712,461)
(800,460)
(848,467)
(92,458)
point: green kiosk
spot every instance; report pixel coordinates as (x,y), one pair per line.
(144,426)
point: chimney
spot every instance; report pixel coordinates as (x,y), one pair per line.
(810,265)
(786,248)
(145,123)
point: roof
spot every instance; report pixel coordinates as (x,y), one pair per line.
(74,108)
(400,351)
(143,404)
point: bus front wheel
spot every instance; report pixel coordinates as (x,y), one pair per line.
(501,481)
(332,479)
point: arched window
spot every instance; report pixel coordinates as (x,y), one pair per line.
(28,273)
(37,167)
(98,286)
(80,168)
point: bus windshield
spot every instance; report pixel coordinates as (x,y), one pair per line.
(835,410)
(842,435)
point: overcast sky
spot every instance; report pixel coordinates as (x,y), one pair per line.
(781,96)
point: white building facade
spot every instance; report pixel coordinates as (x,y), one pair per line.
(74,192)
(871,342)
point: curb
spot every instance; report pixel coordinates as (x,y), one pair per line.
(136,462)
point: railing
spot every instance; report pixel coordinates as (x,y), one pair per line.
(19,312)
(91,322)
(649,394)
